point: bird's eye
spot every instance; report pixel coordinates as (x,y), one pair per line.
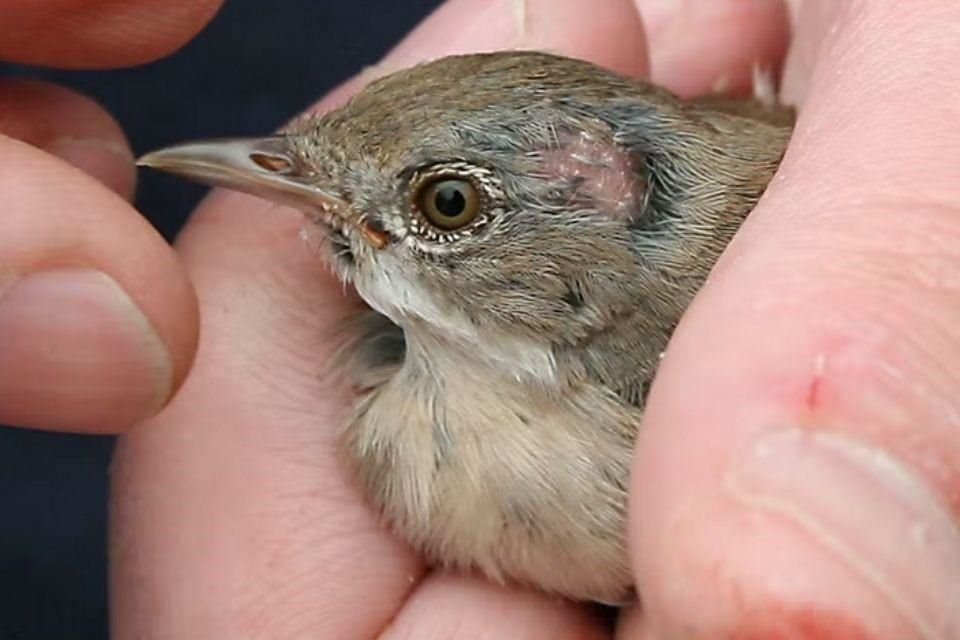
(449,203)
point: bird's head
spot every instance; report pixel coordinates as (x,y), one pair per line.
(502,200)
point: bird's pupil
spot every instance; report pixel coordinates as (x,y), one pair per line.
(449,200)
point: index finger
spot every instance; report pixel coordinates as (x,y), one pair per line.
(90,34)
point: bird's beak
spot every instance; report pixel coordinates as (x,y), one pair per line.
(263,167)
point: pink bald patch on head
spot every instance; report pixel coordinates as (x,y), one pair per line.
(607,178)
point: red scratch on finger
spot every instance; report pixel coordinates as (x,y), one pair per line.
(813,389)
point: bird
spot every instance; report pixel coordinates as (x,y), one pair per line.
(526,231)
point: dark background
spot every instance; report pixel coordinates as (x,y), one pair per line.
(257,64)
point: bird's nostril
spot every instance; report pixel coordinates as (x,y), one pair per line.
(274,164)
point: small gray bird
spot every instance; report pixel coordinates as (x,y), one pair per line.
(526,230)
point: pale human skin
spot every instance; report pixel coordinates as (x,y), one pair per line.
(833,311)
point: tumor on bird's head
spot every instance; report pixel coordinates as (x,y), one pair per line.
(502,205)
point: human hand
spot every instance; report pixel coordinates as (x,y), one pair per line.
(98,321)
(234,519)
(798,471)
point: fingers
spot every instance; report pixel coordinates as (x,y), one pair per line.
(86,34)
(95,335)
(706,47)
(233,515)
(70,126)
(799,470)
(98,323)
(97,320)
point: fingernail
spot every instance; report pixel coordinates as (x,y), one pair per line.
(866,509)
(77,354)
(107,160)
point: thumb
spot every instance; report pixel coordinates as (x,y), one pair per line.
(799,471)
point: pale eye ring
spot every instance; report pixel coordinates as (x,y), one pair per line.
(448,203)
